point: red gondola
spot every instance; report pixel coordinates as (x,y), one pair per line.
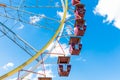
(79,22)
(79,11)
(79,30)
(75,2)
(63,72)
(74,40)
(75,49)
(44,78)
(63,60)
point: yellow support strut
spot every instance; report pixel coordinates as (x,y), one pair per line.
(39,52)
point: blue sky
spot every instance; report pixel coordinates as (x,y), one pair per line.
(99,58)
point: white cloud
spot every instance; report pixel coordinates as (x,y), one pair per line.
(31,76)
(60,14)
(6,66)
(69,29)
(42,15)
(81,59)
(57,4)
(110,10)
(34,19)
(58,50)
(48,73)
(47,65)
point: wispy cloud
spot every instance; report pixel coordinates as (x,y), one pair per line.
(57,4)
(110,10)
(81,59)
(34,19)
(21,26)
(84,60)
(8,65)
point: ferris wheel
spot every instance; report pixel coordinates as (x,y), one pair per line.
(38,30)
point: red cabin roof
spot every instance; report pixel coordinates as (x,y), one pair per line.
(79,11)
(44,78)
(3,5)
(63,60)
(82,6)
(75,2)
